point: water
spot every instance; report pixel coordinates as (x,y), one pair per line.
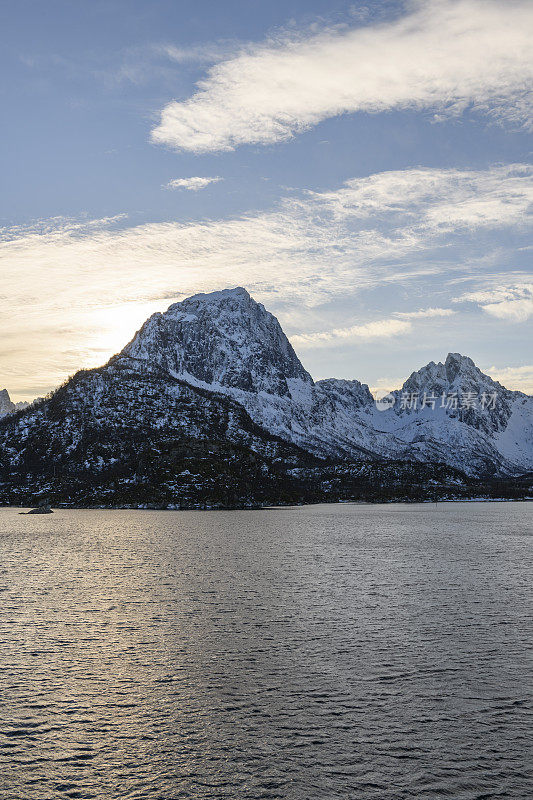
(323,652)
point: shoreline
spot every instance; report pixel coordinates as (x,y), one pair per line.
(274,507)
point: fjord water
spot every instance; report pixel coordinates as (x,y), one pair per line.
(341,651)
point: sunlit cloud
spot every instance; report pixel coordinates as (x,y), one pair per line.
(444,56)
(513,303)
(86,283)
(425,313)
(191,184)
(379,329)
(518,379)
(399,323)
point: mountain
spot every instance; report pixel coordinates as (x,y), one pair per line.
(6,404)
(454,414)
(223,339)
(228,343)
(209,404)
(464,418)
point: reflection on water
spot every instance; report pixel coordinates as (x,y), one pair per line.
(322,652)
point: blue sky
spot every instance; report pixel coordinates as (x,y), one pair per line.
(372,166)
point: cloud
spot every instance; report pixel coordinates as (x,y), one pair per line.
(199,53)
(425,313)
(443,201)
(379,329)
(514,310)
(88,283)
(139,65)
(191,184)
(446,56)
(398,324)
(513,303)
(519,379)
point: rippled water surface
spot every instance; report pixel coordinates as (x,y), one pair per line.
(320,652)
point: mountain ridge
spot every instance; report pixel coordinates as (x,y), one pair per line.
(226,341)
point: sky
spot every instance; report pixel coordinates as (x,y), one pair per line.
(364,169)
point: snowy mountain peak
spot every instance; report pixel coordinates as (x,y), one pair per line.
(458,373)
(224,340)
(7,406)
(238,294)
(456,364)
(457,391)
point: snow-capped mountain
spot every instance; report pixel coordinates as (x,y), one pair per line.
(451,412)
(7,406)
(228,343)
(224,339)
(209,401)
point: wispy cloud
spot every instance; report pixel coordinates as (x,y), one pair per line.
(199,53)
(88,284)
(191,184)
(513,303)
(446,56)
(399,323)
(517,378)
(379,329)
(425,313)
(442,201)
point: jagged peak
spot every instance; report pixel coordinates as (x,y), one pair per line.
(459,358)
(453,366)
(6,404)
(456,363)
(223,338)
(458,373)
(238,293)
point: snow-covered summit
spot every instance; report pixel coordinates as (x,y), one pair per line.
(224,340)
(457,373)
(7,406)
(238,293)
(462,391)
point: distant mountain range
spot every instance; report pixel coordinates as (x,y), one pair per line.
(210,405)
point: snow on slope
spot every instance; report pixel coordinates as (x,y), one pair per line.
(451,411)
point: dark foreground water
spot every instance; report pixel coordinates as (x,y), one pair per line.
(322,652)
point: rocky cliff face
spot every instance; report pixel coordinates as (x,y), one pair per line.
(221,340)
(215,384)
